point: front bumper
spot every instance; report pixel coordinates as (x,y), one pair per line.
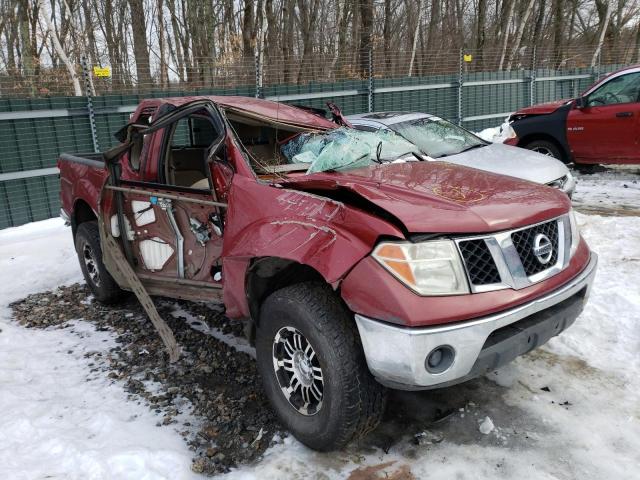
(396,356)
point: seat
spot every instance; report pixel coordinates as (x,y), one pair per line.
(202,184)
(186,178)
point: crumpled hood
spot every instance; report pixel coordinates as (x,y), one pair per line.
(513,161)
(438,197)
(542,108)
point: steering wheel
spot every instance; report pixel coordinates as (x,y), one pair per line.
(613,96)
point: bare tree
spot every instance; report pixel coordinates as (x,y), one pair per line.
(415,39)
(604,23)
(60,51)
(519,33)
(505,33)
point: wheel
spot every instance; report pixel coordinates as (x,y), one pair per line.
(546,147)
(313,367)
(99,280)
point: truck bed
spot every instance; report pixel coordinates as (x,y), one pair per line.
(81,178)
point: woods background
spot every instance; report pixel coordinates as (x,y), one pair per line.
(200,43)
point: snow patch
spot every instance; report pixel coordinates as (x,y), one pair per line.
(496,134)
(59,420)
(486,426)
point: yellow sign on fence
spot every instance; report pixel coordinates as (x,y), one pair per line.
(468,58)
(102,71)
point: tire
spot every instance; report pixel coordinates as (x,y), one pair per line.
(546,147)
(351,401)
(100,282)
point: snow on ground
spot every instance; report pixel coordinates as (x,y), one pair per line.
(54,422)
(612,190)
(569,410)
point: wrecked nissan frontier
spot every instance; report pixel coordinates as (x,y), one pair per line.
(356,265)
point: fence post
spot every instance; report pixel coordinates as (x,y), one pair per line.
(460,83)
(258,66)
(532,79)
(86,73)
(370,81)
(597,72)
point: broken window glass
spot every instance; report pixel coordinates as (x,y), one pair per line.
(346,148)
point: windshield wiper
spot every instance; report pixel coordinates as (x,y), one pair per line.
(378,153)
(477,145)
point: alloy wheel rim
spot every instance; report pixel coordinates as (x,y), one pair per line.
(90,264)
(544,151)
(298,371)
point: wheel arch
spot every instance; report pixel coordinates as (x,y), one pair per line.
(82,212)
(265,275)
(532,137)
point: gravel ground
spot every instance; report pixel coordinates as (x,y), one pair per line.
(212,382)
(213,395)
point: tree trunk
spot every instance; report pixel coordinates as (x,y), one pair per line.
(248,40)
(260,44)
(61,53)
(26,51)
(175,27)
(519,33)
(366,31)
(505,34)
(415,39)
(288,17)
(603,31)
(164,71)
(539,22)
(558,22)
(386,34)
(638,44)
(481,20)
(140,50)
(336,39)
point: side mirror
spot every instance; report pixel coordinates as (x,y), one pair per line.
(581,102)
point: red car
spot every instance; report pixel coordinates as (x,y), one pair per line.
(602,125)
(366,269)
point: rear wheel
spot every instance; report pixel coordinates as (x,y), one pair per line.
(313,367)
(98,279)
(547,148)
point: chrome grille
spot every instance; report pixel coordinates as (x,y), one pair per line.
(479,262)
(523,240)
(507,259)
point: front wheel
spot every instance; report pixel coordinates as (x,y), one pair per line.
(547,148)
(313,367)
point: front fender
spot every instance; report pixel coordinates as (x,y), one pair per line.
(550,125)
(263,221)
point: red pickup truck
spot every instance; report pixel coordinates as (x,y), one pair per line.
(356,272)
(602,125)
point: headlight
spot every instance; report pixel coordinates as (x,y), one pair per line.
(428,268)
(507,132)
(559,183)
(575,233)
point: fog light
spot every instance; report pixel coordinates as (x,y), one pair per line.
(440,359)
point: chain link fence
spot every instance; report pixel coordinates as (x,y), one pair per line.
(40,115)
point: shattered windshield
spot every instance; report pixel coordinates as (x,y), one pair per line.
(346,148)
(437,137)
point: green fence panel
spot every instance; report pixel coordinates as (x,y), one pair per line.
(45,127)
